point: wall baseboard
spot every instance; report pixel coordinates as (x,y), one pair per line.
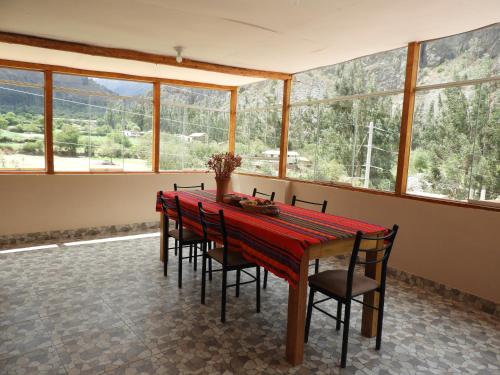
(40,238)
(446,292)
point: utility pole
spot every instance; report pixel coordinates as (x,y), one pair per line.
(368,163)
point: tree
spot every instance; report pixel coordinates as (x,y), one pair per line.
(11,118)
(109,149)
(66,140)
(3,123)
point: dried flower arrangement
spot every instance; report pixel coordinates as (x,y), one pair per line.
(223,164)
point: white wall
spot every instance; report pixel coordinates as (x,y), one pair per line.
(455,246)
(34,203)
(451,245)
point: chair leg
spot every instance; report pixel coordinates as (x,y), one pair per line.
(165,257)
(190,253)
(176,245)
(345,336)
(223,302)
(180,266)
(339,315)
(380,319)
(210,269)
(309,313)
(203,273)
(195,257)
(257,281)
(316,266)
(238,278)
(264,284)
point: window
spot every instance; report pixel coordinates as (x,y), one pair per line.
(258,128)
(101,124)
(456,123)
(21,120)
(194,124)
(345,120)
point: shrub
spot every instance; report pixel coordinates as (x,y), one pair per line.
(67,139)
(33,148)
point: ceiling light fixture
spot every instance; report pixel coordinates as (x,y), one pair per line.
(178,58)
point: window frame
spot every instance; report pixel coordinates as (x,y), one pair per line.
(33,170)
(49,70)
(409,91)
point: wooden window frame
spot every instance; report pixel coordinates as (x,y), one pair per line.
(410,89)
(50,70)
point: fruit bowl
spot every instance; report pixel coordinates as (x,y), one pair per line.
(260,206)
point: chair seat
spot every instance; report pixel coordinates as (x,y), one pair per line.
(188,235)
(334,282)
(234,259)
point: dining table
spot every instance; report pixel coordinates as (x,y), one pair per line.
(284,245)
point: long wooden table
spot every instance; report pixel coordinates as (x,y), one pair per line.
(297,296)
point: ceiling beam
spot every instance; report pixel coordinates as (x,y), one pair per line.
(110,75)
(121,53)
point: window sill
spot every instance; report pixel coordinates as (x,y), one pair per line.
(478,206)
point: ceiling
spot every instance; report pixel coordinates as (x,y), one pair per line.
(277,35)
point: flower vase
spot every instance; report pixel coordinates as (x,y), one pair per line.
(222,188)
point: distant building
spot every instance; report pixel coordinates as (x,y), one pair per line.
(293,156)
(131,133)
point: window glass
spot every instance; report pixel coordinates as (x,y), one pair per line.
(374,73)
(194,124)
(258,129)
(22,126)
(101,124)
(471,55)
(351,140)
(455,143)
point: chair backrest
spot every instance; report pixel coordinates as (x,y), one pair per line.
(373,256)
(201,186)
(179,217)
(213,224)
(271,196)
(323,205)
(163,203)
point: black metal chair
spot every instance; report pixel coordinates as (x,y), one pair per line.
(323,204)
(213,224)
(177,187)
(316,261)
(201,186)
(183,236)
(269,196)
(345,285)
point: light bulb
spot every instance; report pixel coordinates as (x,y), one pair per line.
(178,58)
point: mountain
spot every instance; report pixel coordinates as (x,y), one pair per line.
(126,88)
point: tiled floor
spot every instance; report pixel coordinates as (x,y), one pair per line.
(106,307)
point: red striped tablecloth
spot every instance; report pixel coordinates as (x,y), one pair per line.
(276,243)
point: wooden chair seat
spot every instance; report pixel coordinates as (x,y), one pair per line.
(234,258)
(189,235)
(334,283)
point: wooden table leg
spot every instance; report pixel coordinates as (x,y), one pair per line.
(369,317)
(297,299)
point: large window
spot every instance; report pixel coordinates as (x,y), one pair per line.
(345,120)
(258,129)
(21,120)
(456,124)
(101,124)
(194,124)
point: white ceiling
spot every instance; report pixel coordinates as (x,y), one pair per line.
(278,35)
